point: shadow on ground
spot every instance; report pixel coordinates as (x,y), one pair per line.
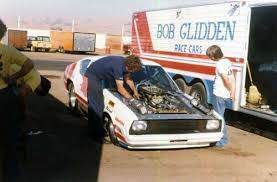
(252,124)
(58,148)
(54,66)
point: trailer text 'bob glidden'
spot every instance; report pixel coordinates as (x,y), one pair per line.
(218,31)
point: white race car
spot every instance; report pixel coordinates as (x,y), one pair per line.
(164,117)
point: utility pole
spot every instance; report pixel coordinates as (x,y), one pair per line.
(123,29)
(122,34)
(73,24)
(18,22)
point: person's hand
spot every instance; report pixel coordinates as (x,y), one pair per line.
(24,90)
(137,96)
(232,96)
(10,80)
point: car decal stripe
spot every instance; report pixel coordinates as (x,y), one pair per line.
(121,137)
(119,121)
(117,129)
(80,99)
(71,69)
(210,70)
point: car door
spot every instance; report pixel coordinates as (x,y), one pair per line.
(80,79)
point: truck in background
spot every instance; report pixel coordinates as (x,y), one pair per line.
(39,40)
(73,41)
(36,43)
(16,38)
(178,38)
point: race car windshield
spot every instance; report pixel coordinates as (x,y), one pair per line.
(154,75)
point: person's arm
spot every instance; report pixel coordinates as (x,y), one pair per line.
(122,90)
(226,81)
(225,71)
(30,82)
(26,68)
(16,57)
(25,90)
(131,84)
(233,89)
(229,83)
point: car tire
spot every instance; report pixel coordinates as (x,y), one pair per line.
(72,99)
(198,91)
(182,85)
(111,130)
(212,144)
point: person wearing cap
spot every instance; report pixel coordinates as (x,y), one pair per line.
(10,108)
(115,70)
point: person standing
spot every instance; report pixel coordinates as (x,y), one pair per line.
(224,86)
(114,69)
(10,108)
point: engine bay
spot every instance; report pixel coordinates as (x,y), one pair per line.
(155,99)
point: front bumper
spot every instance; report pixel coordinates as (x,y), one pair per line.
(171,141)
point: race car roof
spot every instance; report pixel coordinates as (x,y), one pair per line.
(144,61)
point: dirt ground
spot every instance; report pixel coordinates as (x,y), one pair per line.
(58,148)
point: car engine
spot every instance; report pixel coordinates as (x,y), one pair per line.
(157,100)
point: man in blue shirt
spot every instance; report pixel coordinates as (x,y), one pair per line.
(112,69)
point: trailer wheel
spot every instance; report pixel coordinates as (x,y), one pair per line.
(72,99)
(33,49)
(111,130)
(198,91)
(182,85)
(61,50)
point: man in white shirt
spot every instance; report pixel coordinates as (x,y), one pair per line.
(224,85)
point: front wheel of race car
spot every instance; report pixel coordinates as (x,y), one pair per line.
(212,144)
(72,99)
(111,130)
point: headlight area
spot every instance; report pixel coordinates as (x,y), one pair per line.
(213,124)
(178,126)
(138,127)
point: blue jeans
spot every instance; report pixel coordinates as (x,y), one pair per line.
(95,108)
(219,105)
(10,113)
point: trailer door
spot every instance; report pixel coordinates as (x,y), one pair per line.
(84,42)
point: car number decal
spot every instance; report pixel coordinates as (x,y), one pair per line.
(110,106)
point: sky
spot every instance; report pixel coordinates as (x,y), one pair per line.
(102,16)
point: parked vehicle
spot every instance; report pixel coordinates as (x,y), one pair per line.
(164,118)
(16,38)
(73,41)
(36,43)
(178,39)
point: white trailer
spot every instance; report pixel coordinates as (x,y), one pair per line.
(178,38)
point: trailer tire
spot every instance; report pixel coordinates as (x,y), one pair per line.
(198,91)
(61,50)
(182,85)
